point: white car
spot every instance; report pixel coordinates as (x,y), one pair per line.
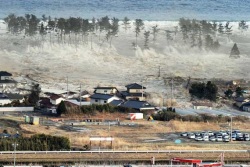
(219,138)
(191,136)
(198,139)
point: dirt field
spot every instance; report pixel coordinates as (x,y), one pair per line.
(130,135)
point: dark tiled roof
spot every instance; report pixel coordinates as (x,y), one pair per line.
(101,96)
(3,96)
(134,86)
(54,96)
(240,99)
(116,102)
(7,81)
(15,96)
(136,104)
(44,101)
(5,73)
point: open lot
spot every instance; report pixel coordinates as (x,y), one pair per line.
(129,135)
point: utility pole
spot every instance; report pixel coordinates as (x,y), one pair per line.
(231,128)
(67,87)
(141,91)
(14,145)
(80,96)
(171,92)
(159,73)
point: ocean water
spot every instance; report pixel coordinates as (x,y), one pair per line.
(157,10)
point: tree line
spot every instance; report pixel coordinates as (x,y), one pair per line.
(73,30)
(38,142)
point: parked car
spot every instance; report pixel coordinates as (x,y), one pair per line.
(191,135)
(212,138)
(210,133)
(246,138)
(246,135)
(184,134)
(226,138)
(219,138)
(5,135)
(199,139)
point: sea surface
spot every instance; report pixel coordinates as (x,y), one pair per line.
(152,10)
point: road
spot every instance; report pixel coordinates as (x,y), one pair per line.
(190,111)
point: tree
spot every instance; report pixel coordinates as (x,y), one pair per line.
(146,36)
(114,27)
(208,42)
(216,45)
(61,109)
(238,92)
(126,23)
(139,25)
(235,53)
(221,29)
(155,30)
(204,91)
(32,24)
(228,93)
(211,91)
(228,29)
(243,25)
(168,35)
(34,95)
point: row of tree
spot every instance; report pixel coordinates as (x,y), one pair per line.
(197,33)
(38,142)
(204,91)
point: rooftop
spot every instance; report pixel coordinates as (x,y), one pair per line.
(5,73)
(101,96)
(135,86)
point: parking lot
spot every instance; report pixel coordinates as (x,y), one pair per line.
(216,136)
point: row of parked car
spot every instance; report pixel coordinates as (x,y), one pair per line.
(7,135)
(224,136)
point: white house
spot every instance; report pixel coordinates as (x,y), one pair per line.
(102,98)
(4,75)
(106,90)
(55,99)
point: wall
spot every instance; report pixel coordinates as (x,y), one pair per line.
(106,91)
(6,109)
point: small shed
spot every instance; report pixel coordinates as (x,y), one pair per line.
(202,105)
(27,119)
(34,120)
(135,116)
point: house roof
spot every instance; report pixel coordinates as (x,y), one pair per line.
(105,87)
(135,86)
(101,96)
(15,96)
(55,96)
(116,102)
(241,99)
(3,96)
(5,73)
(137,104)
(45,102)
(7,81)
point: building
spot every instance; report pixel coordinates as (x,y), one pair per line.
(202,105)
(239,101)
(6,81)
(102,98)
(134,92)
(138,105)
(4,99)
(56,99)
(106,90)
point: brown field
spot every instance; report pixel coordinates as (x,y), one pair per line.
(133,137)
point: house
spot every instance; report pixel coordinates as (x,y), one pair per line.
(239,101)
(245,106)
(134,92)
(116,102)
(4,99)
(202,105)
(4,75)
(106,90)
(6,81)
(56,99)
(102,98)
(138,105)
(8,98)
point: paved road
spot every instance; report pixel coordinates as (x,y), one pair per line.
(190,111)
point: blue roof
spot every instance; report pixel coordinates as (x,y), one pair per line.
(116,102)
(101,96)
(136,104)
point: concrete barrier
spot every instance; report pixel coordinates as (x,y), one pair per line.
(16,109)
